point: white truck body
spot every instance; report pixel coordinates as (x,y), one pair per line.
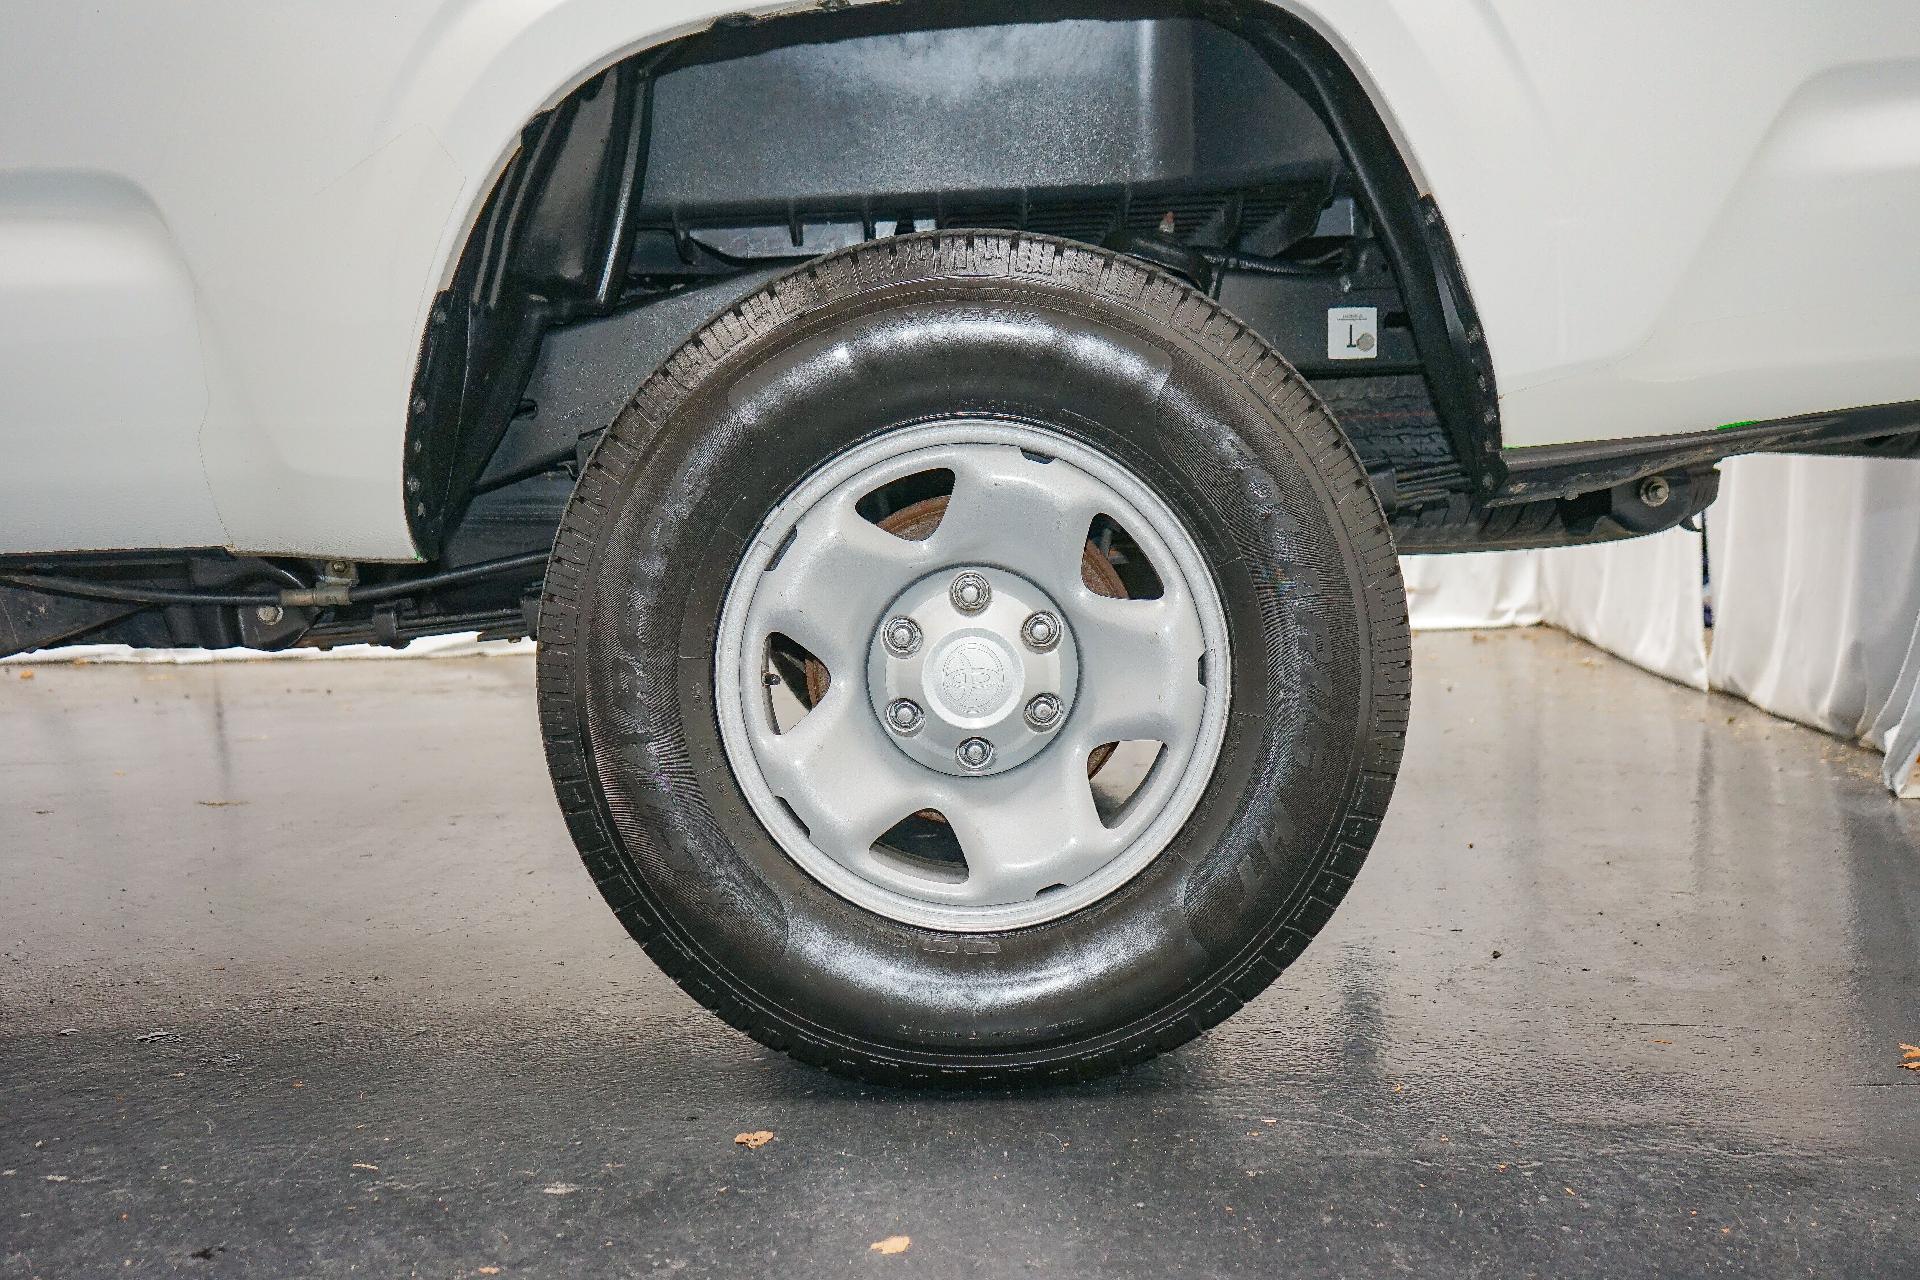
(222,227)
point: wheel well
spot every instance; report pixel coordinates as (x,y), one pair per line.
(1223,140)
(1227,142)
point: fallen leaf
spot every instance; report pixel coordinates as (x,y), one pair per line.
(359,1165)
(757,1139)
(892,1244)
(1659,1042)
(486,1271)
(26,675)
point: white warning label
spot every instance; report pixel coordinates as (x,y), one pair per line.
(1353,333)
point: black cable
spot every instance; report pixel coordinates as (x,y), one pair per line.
(60,586)
(1266,266)
(130,595)
(485,569)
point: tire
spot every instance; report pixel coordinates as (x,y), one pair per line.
(1127,368)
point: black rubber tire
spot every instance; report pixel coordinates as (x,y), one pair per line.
(1031,329)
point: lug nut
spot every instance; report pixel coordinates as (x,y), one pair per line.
(904,715)
(1041,631)
(974,753)
(970,592)
(1043,711)
(901,636)
(1654,491)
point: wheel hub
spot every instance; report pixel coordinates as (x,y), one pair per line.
(988,678)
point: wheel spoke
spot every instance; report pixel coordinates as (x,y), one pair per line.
(840,776)
(829,586)
(1139,671)
(1028,830)
(1028,516)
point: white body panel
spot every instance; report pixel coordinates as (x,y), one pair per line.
(221,226)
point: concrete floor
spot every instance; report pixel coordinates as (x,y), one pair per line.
(299,976)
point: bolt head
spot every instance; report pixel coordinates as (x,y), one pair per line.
(1041,632)
(1654,491)
(1044,711)
(905,716)
(970,592)
(975,754)
(268,613)
(901,636)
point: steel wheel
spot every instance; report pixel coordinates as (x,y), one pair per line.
(974,674)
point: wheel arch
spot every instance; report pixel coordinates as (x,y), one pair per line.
(499,87)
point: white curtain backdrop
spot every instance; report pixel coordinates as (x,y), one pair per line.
(1640,599)
(1816,594)
(1473,589)
(1816,569)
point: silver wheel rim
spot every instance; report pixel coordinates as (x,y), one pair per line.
(976,667)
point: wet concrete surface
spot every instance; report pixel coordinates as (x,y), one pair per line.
(299,976)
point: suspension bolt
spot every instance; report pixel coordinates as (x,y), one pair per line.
(901,636)
(1043,712)
(1654,491)
(1041,631)
(904,716)
(970,592)
(975,754)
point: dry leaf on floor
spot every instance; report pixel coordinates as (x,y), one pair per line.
(1910,1055)
(892,1244)
(26,675)
(755,1140)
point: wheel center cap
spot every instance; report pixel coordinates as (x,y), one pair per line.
(972,676)
(972,671)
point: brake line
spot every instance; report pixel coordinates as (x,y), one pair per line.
(291,597)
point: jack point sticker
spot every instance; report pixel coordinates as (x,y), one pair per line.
(1353,333)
